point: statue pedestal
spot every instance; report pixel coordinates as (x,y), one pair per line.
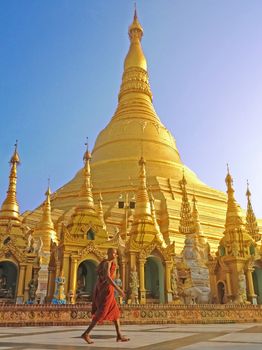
(169,297)
(142,297)
(41,291)
(253,299)
(19,300)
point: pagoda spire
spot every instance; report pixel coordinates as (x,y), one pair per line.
(195,216)
(159,235)
(45,228)
(100,210)
(186,224)
(251,221)
(234,218)
(10,207)
(135,78)
(143,209)
(46,220)
(86,200)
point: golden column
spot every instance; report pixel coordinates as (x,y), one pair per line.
(51,283)
(169,297)
(213,285)
(251,293)
(28,276)
(229,287)
(142,281)
(73,276)
(123,273)
(21,282)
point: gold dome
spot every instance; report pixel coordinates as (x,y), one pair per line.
(135,128)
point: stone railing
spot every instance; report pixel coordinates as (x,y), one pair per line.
(79,314)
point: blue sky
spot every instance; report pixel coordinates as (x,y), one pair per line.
(61,63)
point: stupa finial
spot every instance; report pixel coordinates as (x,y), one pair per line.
(86,195)
(251,220)
(10,207)
(87,154)
(248,193)
(234,212)
(46,225)
(142,200)
(186,224)
(195,215)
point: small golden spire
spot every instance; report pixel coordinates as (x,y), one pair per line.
(45,227)
(248,193)
(195,216)
(100,210)
(186,224)
(251,220)
(159,235)
(46,222)
(142,209)
(10,207)
(86,200)
(234,213)
(229,180)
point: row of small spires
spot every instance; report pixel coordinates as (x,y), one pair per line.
(189,221)
(10,208)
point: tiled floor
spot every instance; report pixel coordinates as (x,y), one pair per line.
(147,337)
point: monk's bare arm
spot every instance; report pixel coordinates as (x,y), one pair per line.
(109,279)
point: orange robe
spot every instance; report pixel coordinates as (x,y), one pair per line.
(104,306)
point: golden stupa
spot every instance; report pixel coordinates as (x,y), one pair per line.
(133,194)
(134,130)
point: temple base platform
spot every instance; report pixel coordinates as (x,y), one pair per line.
(79,314)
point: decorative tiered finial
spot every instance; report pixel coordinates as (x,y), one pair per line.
(142,201)
(86,200)
(135,30)
(48,191)
(195,216)
(251,220)
(10,207)
(248,193)
(87,154)
(159,235)
(229,180)
(45,227)
(15,156)
(100,210)
(234,212)
(46,221)
(186,224)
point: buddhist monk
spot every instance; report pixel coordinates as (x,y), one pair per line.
(104,306)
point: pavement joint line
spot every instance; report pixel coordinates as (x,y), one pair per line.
(235,341)
(185,341)
(12,335)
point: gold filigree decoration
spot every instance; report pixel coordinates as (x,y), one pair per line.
(91,248)
(155,245)
(68,237)
(11,249)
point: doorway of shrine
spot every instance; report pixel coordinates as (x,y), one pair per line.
(154,280)
(257,281)
(221,292)
(86,279)
(8,281)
